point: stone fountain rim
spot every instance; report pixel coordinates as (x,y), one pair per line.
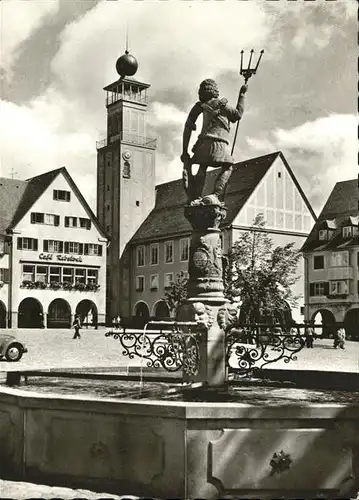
(178,409)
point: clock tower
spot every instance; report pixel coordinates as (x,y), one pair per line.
(125,178)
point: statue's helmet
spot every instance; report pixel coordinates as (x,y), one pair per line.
(208,90)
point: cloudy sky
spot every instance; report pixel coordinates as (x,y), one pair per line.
(57,55)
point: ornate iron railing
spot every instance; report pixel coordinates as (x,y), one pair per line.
(250,348)
(138,140)
(173,349)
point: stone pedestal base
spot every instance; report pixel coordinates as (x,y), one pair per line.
(211,372)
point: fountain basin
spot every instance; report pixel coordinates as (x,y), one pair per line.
(166,449)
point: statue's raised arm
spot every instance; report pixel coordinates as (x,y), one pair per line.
(212,146)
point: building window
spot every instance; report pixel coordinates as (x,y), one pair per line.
(184,249)
(154,254)
(61,195)
(339,259)
(92,276)
(154,282)
(323,234)
(168,280)
(54,274)
(140,283)
(41,273)
(28,272)
(319,288)
(53,246)
(140,251)
(126,171)
(68,275)
(74,247)
(70,221)
(318,262)
(27,244)
(40,218)
(339,287)
(85,223)
(80,275)
(168,252)
(4,275)
(92,249)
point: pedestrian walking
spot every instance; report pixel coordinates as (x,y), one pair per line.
(309,337)
(339,339)
(77,325)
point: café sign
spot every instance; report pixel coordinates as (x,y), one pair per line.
(60,257)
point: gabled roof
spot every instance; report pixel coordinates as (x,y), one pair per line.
(11,192)
(167,218)
(341,209)
(22,198)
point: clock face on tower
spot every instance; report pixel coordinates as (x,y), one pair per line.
(126,155)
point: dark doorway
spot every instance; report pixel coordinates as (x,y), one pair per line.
(2,315)
(30,314)
(351,324)
(161,310)
(59,314)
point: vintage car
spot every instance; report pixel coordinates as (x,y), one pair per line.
(10,348)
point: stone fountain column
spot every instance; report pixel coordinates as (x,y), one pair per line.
(206,300)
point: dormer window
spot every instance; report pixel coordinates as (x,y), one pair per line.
(323,234)
(347,231)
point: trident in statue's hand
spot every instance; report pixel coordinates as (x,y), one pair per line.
(246,73)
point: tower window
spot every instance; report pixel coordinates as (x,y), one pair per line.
(126,173)
(137,203)
(279,175)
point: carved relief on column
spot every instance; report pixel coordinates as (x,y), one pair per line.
(205,259)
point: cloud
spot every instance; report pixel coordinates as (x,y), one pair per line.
(321,152)
(18,20)
(177,44)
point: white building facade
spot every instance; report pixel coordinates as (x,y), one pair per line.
(54,257)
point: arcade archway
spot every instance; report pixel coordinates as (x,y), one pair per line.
(88,312)
(59,314)
(30,314)
(325,322)
(351,324)
(161,310)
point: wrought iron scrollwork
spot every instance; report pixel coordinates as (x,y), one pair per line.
(251,348)
(171,350)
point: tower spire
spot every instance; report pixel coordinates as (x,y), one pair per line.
(126,52)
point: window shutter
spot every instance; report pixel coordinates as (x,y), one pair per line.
(88,224)
(57,220)
(46,245)
(66,221)
(100,250)
(311,289)
(19,243)
(67,195)
(326,288)
(86,252)
(66,247)
(61,246)
(35,244)
(33,218)
(6,276)
(81,248)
